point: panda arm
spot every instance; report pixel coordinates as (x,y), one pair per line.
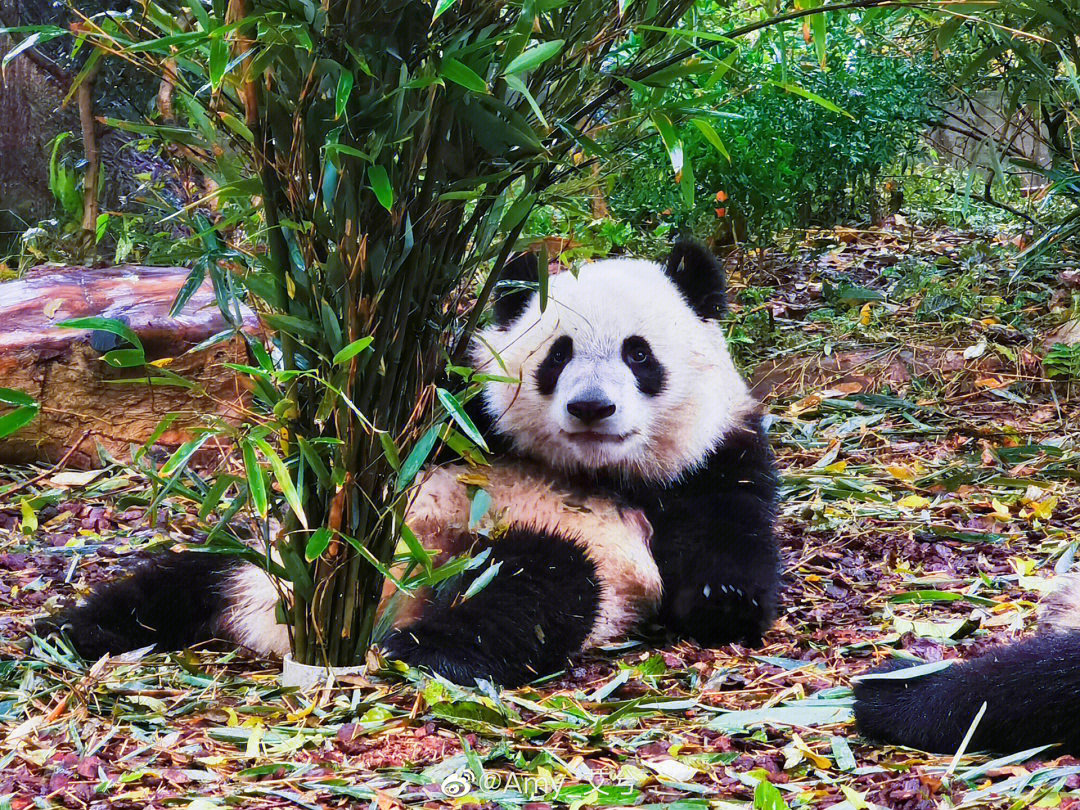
(715,548)
(534,613)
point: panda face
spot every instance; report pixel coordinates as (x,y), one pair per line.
(619,373)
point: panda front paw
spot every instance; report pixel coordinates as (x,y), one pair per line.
(720,613)
(421,648)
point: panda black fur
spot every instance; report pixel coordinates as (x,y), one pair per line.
(628,400)
(1031,690)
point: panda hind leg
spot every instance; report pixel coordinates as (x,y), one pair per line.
(534,613)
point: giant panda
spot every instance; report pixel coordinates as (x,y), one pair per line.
(632,478)
(1031,690)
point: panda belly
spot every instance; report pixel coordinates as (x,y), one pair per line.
(616,538)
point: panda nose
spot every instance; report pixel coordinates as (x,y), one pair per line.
(589,411)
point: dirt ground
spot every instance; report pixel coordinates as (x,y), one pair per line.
(930,494)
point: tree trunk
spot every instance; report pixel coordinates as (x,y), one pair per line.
(81,404)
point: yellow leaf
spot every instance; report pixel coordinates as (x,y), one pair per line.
(51,307)
(864,314)
(161,362)
(836,467)
(901,472)
(1044,510)
(913,502)
(813,756)
(253,743)
(1001,511)
(855,799)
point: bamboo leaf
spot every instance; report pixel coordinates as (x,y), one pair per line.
(318,542)
(11,396)
(441,7)
(416,458)
(794,89)
(671,140)
(256,479)
(535,56)
(462,75)
(515,83)
(455,409)
(125,358)
(183,455)
(219,58)
(482,581)
(353,349)
(479,507)
(99,324)
(706,129)
(416,548)
(344,89)
(284,480)
(10,422)
(380,184)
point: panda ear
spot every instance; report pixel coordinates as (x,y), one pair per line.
(699,275)
(512,302)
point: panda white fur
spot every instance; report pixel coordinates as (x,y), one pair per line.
(632,477)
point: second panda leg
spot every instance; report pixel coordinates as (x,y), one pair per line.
(535,613)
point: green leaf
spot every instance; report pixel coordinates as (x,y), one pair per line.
(479,507)
(125,358)
(182,456)
(353,349)
(256,479)
(706,129)
(219,59)
(284,480)
(672,143)
(482,581)
(110,325)
(440,7)
(344,89)
(318,542)
(817,25)
(455,409)
(10,422)
(416,458)
(29,522)
(380,184)
(314,461)
(905,674)
(515,83)
(767,796)
(463,75)
(390,450)
(805,714)
(535,56)
(517,212)
(942,596)
(37,38)
(416,548)
(11,396)
(293,325)
(101,226)
(333,150)
(214,495)
(794,89)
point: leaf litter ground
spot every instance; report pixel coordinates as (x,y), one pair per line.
(930,494)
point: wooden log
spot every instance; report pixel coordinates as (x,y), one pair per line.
(82,407)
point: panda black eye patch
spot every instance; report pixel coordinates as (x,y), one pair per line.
(547,373)
(638,355)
